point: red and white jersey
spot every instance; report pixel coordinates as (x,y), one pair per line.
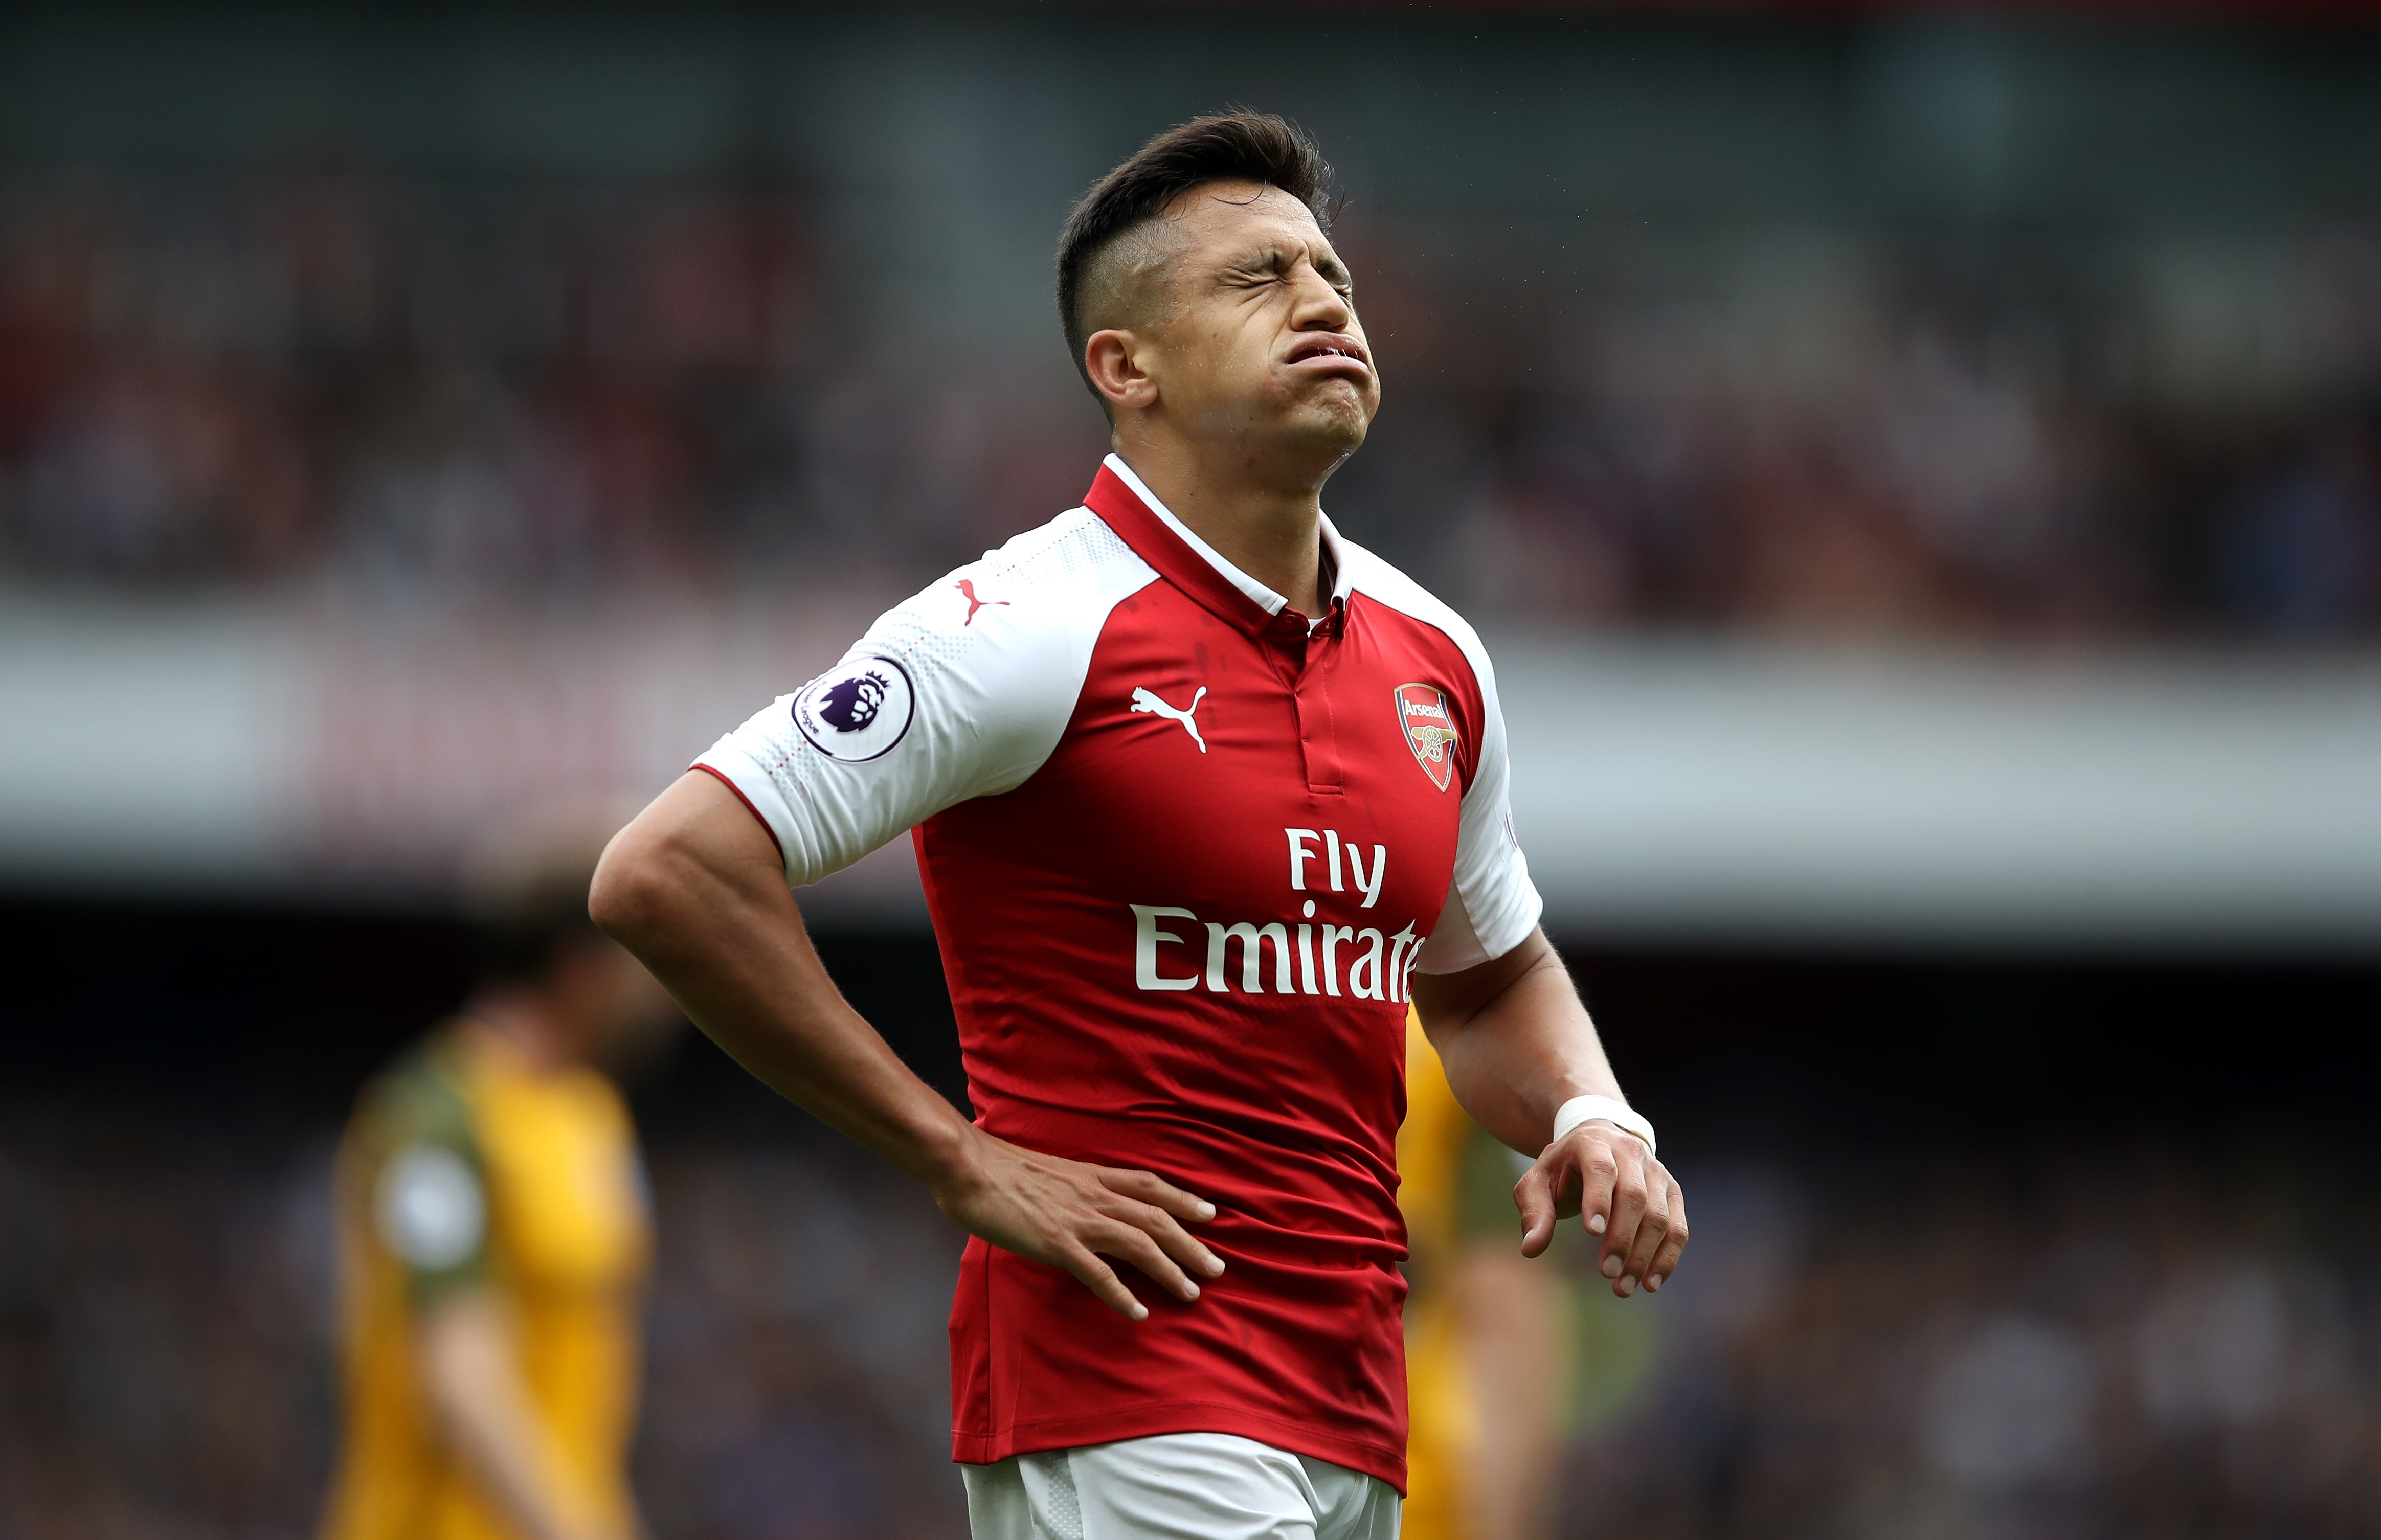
(1184,850)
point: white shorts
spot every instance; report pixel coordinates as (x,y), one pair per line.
(1178,1486)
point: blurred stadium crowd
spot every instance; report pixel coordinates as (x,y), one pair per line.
(382,388)
(1954,1351)
(167,1338)
(355,382)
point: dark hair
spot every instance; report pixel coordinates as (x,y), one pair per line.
(517,941)
(526,900)
(1236,145)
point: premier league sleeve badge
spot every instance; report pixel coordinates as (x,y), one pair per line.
(856,710)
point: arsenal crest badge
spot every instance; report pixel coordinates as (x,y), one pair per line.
(1430,729)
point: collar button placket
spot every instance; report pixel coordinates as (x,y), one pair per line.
(1318,739)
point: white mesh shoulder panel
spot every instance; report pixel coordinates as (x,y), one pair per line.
(962,691)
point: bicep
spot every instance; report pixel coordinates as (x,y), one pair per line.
(693,888)
(700,820)
(1516,1039)
(696,844)
(1450,1003)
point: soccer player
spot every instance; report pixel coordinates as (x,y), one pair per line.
(492,1237)
(1201,792)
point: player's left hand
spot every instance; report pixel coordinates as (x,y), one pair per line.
(1629,1198)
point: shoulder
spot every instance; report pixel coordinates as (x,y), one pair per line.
(1039,573)
(1048,588)
(989,658)
(1075,550)
(419,1098)
(413,1172)
(1389,586)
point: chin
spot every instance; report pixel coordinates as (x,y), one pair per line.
(1315,428)
(1341,424)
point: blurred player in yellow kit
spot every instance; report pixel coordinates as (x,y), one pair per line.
(494,1235)
(1485,1350)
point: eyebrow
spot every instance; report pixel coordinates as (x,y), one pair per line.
(1278,258)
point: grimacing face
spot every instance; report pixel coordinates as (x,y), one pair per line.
(1246,328)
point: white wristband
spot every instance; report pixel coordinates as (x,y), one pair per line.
(1587,1109)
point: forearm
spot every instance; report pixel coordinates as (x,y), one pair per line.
(473,1387)
(694,889)
(1518,1042)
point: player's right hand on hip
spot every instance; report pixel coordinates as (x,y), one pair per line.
(1078,1217)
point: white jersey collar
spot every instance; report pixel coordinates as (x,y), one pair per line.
(1266,598)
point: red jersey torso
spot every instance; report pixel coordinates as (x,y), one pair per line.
(1180,938)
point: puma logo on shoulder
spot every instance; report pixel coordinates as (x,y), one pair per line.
(1143,700)
(966,587)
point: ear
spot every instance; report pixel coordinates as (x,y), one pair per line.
(1114,359)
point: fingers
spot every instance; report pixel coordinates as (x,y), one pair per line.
(1158,1207)
(1071,1215)
(1535,1196)
(1653,1230)
(1151,1188)
(1628,1211)
(1176,1242)
(1627,1196)
(1129,1243)
(1599,1177)
(1101,1280)
(1665,1261)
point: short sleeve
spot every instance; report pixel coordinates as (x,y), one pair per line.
(426,1188)
(963,691)
(1492,906)
(430,1209)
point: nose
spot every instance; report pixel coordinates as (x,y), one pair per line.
(1319,307)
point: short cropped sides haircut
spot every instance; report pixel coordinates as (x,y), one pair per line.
(1235,146)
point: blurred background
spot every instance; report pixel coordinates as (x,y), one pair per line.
(1920,472)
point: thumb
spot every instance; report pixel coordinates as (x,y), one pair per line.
(1535,1196)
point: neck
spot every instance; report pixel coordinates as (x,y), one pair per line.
(1268,526)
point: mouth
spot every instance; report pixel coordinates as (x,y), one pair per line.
(1330,353)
